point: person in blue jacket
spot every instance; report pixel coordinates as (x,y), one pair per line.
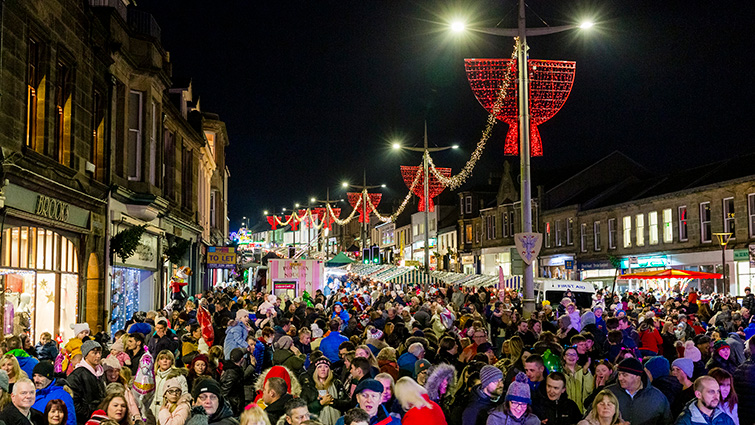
(339,311)
(329,345)
(706,410)
(48,389)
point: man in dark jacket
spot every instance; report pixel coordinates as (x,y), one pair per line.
(658,369)
(744,384)
(210,403)
(484,396)
(19,411)
(86,382)
(49,389)
(163,339)
(232,381)
(749,300)
(639,402)
(551,403)
(275,395)
(135,350)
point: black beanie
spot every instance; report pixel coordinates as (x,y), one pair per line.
(207,385)
(44,368)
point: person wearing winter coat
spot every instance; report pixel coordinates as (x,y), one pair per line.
(48,389)
(329,344)
(659,369)
(604,411)
(164,370)
(200,368)
(722,357)
(46,347)
(237,332)
(275,396)
(210,408)
(441,385)
(232,380)
(368,394)
(647,406)
(579,379)
(552,404)
(517,405)
(705,410)
(176,406)
(387,362)
(87,381)
(292,383)
(323,392)
(744,385)
(164,339)
(286,354)
(483,397)
(420,409)
(737,347)
(339,311)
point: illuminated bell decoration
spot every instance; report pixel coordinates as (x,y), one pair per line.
(552,362)
(550,85)
(434,186)
(365,210)
(273,222)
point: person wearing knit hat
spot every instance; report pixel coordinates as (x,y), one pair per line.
(236,333)
(692,352)
(284,343)
(47,390)
(421,368)
(112,368)
(683,369)
(484,396)
(517,406)
(86,380)
(722,357)
(639,401)
(88,346)
(684,365)
(286,354)
(176,405)
(657,367)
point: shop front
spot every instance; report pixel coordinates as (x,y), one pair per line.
(492,258)
(42,243)
(560,266)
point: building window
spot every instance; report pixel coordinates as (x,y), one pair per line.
(596,235)
(187,174)
(668,228)
(558,232)
(653,227)
(729,224)
(461,205)
(63,105)
(569,225)
(705,232)
(682,223)
(490,227)
(213,209)
(751,212)
(548,234)
(583,237)
(153,145)
(511,223)
(468,233)
(477,233)
(505,224)
(611,233)
(98,135)
(640,233)
(134,143)
(468,202)
(627,231)
(33,95)
(169,164)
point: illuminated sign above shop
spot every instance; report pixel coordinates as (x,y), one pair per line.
(646,262)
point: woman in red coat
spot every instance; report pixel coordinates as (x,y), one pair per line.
(650,339)
(420,410)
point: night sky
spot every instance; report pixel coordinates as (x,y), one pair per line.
(313,92)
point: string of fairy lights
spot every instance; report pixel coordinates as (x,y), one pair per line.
(452,182)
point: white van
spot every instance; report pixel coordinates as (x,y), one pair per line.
(553,290)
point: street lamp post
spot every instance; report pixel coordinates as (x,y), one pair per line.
(426,182)
(524,126)
(723,240)
(327,202)
(363,188)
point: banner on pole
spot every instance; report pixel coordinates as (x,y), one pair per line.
(528,245)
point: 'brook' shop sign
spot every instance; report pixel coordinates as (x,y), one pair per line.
(52,208)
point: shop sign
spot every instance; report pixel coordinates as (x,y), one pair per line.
(146,255)
(741,255)
(467,259)
(649,261)
(52,208)
(221,257)
(569,264)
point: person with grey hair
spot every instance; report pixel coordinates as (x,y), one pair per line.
(286,354)
(407,360)
(20,411)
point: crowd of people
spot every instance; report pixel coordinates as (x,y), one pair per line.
(368,353)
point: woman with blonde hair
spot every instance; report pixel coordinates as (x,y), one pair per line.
(387,363)
(420,410)
(9,363)
(605,411)
(254,415)
(164,370)
(323,392)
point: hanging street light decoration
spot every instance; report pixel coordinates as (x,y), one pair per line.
(550,85)
(435,187)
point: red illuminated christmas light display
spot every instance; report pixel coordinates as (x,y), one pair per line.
(364,210)
(550,85)
(434,186)
(272,221)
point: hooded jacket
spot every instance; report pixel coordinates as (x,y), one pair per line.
(329,345)
(53,392)
(737,347)
(294,387)
(436,376)
(744,384)
(692,415)
(235,337)
(717,361)
(647,407)
(25,361)
(88,391)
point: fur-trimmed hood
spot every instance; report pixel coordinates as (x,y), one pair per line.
(438,374)
(295,389)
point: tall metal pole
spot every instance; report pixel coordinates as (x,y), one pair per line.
(427,214)
(366,215)
(524,154)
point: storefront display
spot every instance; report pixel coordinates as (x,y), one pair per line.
(40,276)
(124,291)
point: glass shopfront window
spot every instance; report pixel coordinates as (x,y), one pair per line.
(39,271)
